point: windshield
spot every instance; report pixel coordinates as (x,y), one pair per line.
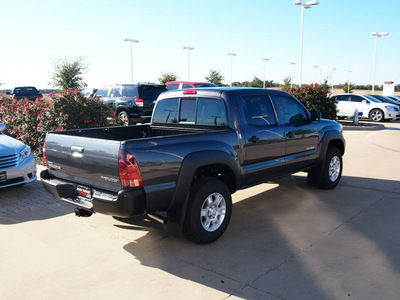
(200,85)
(373,99)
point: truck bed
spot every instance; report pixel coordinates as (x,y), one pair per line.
(124,133)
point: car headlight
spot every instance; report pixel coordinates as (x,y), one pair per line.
(25,153)
(390,108)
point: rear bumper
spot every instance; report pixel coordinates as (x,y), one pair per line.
(124,204)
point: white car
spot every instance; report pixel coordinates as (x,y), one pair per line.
(367,106)
(17,163)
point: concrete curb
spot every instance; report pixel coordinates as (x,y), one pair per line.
(361,126)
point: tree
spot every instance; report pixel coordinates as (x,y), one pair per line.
(348,87)
(287,83)
(169,76)
(257,82)
(67,73)
(215,77)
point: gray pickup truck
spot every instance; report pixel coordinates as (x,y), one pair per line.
(201,146)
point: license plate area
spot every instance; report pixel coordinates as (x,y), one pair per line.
(84,192)
(3,176)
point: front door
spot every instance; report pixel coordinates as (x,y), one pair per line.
(263,139)
(301,135)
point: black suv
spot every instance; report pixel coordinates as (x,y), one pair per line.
(132,102)
(29,92)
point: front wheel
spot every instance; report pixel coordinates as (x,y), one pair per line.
(209,211)
(333,166)
(328,174)
(376,115)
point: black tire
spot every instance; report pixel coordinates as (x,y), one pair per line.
(210,203)
(377,115)
(124,116)
(328,174)
(333,166)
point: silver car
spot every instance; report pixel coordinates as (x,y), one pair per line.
(17,163)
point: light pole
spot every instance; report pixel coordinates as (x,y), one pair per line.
(315,70)
(348,83)
(131,41)
(265,67)
(231,55)
(188,49)
(291,81)
(376,34)
(304,5)
(333,78)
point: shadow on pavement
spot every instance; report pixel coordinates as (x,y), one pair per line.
(292,241)
(29,202)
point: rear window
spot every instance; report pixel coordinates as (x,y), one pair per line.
(173,86)
(150,92)
(195,111)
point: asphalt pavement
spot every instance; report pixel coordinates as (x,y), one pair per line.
(286,240)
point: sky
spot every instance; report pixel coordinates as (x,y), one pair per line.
(337,35)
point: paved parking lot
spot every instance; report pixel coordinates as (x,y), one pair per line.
(286,240)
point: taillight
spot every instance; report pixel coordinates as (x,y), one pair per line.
(129,170)
(139,102)
(44,155)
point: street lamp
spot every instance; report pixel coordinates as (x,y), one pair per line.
(304,5)
(291,81)
(188,49)
(333,79)
(265,67)
(315,70)
(348,83)
(376,34)
(131,41)
(231,55)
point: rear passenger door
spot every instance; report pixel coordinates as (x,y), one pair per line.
(300,134)
(263,139)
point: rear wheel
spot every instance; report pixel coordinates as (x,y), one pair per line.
(209,211)
(376,115)
(123,115)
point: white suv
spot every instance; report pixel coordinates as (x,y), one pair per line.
(369,106)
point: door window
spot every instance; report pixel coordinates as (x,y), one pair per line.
(289,110)
(258,110)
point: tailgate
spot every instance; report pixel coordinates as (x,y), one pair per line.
(88,161)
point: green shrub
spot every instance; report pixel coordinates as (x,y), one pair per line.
(29,121)
(315,97)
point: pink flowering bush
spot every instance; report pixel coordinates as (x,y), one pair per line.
(315,97)
(29,121)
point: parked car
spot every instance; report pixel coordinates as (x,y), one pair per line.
(134,103)
(17,163)
(386,99)
(29,92)
(89,92)
(201,146)
(175,85)
(395,98)
(367,106)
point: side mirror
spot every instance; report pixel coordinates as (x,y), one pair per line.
(2,127)
(315,115)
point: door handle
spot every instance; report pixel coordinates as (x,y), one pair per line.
(77,149)
(290,134)
(254,139)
